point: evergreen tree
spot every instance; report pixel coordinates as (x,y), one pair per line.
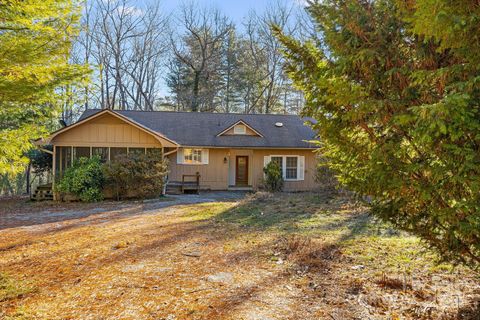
(34,44)
(394,88)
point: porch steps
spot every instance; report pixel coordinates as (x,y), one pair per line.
(43,192)
(175,187)
(240,188)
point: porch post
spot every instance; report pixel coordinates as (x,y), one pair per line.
(54,172)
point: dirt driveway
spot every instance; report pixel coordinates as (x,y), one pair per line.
(20,212)
(221,256)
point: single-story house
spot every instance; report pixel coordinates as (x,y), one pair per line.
(227,151)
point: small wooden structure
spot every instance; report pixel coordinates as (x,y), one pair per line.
(190,182)
(43,192)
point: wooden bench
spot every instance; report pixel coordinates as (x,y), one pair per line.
(191,182)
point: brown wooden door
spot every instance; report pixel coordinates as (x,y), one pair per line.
(241,176)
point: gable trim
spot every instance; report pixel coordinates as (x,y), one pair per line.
(158,136)
(240,122)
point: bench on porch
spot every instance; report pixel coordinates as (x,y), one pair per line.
(190,182)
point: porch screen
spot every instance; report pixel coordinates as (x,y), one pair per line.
(117,153)
(136,150)
(81,152)
(157,152)
(102,152)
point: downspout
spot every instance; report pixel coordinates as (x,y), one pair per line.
(54,172)
(170,152)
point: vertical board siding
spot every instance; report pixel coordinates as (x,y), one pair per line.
(217,175)
(308,183)
(106,131)
(213,175)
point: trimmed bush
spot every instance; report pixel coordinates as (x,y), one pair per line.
(84,180)
(273,180)
(141,175)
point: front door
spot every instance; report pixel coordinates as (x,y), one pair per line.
(241,176)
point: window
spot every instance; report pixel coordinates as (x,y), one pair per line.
(239,129)
(102,152)
(291,168)
(279,161)
(117,153)
(192,156)
(81,152)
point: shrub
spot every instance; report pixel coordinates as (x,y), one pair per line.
(142,173)
(84,179)
(273,180)
(117,177)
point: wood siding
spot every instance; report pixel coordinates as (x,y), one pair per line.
(109,131)
(310,165)
(106,131)
(217,175)
(213,176)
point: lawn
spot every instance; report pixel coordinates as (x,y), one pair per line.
(284,256)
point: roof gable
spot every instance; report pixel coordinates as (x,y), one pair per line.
(98,115)
(230,130)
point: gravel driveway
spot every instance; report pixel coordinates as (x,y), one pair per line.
(19,212)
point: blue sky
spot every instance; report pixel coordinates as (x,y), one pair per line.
(234,9)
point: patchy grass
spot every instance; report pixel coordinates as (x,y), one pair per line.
(13,289)
(281,256)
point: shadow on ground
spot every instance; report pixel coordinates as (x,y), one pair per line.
(283,250)
(20,212)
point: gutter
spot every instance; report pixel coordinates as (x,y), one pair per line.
(170,152)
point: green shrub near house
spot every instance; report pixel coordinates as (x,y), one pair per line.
(136,175)
(84,180)
(273,180)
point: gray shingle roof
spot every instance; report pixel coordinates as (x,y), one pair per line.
(202,128)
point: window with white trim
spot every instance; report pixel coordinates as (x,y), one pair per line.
(240,129)
(279,161)
(291,168)
(192,156)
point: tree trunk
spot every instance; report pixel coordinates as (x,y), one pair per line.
(196,84)
(27,173)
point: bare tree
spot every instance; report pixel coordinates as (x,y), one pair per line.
(211,66)
(125,45)
(199,48)
(280,14)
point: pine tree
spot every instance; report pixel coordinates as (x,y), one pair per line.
(394,87)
